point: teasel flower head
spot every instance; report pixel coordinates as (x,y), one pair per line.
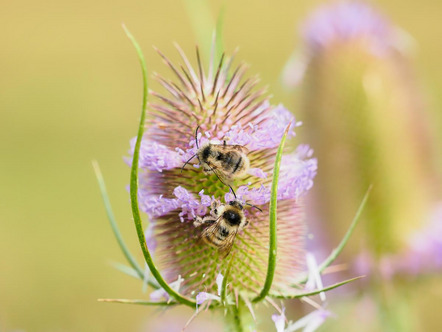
(266,260)
(224,105)
(366,121)
(355,22)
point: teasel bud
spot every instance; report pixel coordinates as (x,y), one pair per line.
(366,122)
(220,104)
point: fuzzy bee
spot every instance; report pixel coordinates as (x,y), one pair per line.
(225,221)
(228,162)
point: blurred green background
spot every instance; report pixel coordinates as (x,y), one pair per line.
(70,92)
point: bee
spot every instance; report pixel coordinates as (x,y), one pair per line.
(225,221)
(226,161)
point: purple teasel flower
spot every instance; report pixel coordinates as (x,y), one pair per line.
(341,24)
(345,22)
(225,106)
(360,102)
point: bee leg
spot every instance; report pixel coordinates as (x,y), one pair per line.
(214,208)
(209,220)
(214,204)
(198,221)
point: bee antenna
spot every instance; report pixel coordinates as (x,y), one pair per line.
(254,206)
(233,192)
(187,162)
(196,137)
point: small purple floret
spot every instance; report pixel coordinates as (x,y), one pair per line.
(279,321)
(295,179)
(347,21)
(296,174)
(190,206)
(156,157)
(203,297)
(265,135)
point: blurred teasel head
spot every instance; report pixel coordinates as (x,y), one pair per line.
(206,165)
(366,122)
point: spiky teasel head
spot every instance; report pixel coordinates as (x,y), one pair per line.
(362,104)
(225,106)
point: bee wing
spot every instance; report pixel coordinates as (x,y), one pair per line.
(240,148)
(225,248)
(211,230)
(222,176)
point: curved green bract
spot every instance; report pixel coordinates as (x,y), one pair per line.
(272,223)
(134,186)
(219,34)
(202,22)
(317,291)
(335,253)
(139,302)
(110,216)
(224,283)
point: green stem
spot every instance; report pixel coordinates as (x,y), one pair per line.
(224,283)
(134,186)
(393,304)
(272,222)
(202,22)
(234,318)
(219,34)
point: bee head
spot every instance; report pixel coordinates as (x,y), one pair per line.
(205,153)
(236,204)
(232,217)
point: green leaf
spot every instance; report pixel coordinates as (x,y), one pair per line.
(219,34)
(325,289)
(202,22)
(134,186)
(111,217)
(126,270)
(132,273)
(139,302)
(335,253)
(272,223)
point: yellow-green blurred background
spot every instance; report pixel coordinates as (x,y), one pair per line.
(70,92)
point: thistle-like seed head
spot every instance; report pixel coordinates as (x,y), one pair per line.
(361,103)
(226,106)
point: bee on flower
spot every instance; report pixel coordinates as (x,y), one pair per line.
(205,159)
(226,230)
